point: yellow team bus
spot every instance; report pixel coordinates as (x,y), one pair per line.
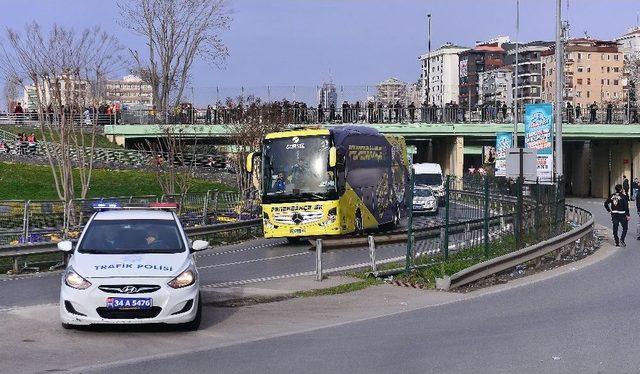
(318,182)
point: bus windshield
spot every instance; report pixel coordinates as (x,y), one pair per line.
(428,179)
(295,169)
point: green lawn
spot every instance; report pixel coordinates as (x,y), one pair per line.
(35,182)
(101,140)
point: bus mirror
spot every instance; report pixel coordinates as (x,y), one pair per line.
(332,157)
(249,165)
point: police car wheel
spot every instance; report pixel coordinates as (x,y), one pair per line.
(68,326)
(195,323)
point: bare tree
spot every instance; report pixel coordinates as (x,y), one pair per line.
(66,72)
(176,33)
(11,90)
(253,120)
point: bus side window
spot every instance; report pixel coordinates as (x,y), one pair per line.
(341,176)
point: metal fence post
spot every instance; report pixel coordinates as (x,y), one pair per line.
(205,208)
(407,261)
(518,218)
(446,217)
(485,220)
(319,260)
(372,252)
(25,221)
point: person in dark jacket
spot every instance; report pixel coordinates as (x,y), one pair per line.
(593,111)
(609,113)
(638,223)
(635,186)
(625,185)
(504,111)
(578,112)
(618,205)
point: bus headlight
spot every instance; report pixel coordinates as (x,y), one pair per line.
(332,216)
(266,222)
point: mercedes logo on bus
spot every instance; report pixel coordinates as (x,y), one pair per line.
(297,218)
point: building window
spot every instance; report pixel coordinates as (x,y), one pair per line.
(602,82)
(608,82)
(580,69)
(580,81)
(588,69)
(607,95)
(579,56)
(588,80)
(588,56)
(588,94)
(615,94)
(577,93)
(608,69)
(615,57)
(616,69)
(615,82)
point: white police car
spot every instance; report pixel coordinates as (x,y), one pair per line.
(131,266)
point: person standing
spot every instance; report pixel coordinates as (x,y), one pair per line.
(609,113)
(635,186)
(412,111)
(638,222)
(207,115)
(504,112)
(618,205)
(578,112)
(593,110)
(625,185)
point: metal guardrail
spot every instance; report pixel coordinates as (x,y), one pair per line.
(16,252)
(510,260)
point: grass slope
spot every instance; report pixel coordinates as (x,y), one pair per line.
(35,182)
(101,140)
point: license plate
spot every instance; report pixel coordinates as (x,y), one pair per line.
(297,231)
(129,303)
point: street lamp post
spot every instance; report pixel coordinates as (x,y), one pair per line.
(515,74)
(559,91)
(428,54)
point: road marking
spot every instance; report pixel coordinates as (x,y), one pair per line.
(254,260)
(239,250)
(256,280)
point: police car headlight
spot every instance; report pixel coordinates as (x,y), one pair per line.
(75,280)
(184,279)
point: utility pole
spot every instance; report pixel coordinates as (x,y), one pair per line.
(428,54)
(515,74)
(559,90)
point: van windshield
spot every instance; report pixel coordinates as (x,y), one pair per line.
(132,236)
(428,179)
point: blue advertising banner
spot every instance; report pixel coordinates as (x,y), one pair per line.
(538,135)
(503,143)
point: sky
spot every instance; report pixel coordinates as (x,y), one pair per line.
(354,43)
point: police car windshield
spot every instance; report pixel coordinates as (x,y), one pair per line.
(131,236)
(296,168)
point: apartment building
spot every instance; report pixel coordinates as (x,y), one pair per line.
(130,91)
(473,62)
(529,72)
(441,67)
(594,72)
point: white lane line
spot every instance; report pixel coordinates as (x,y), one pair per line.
(239,250)
(257,280)
(254,260)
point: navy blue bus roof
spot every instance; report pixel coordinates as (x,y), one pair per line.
(341,132)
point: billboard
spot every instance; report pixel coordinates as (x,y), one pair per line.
(503,143)
(538,135)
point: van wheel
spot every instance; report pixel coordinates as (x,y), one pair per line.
(68,326)
(195,323)
(358,223)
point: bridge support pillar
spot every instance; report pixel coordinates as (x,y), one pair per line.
(449,153)
(579,168)
(621,157)
(599,169)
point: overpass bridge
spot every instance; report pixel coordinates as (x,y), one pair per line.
(596,155)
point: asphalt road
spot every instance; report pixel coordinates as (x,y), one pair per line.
(581,321)
(251,261)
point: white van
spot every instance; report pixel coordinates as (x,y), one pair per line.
(430,175)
